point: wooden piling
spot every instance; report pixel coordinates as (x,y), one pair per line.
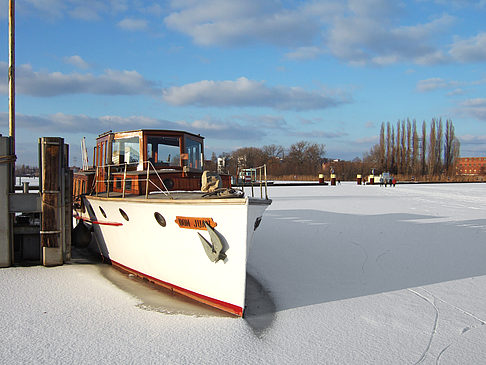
(51,207)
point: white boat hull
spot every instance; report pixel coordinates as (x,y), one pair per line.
(173,256)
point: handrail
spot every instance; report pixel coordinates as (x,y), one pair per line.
(107,181)
(253,178)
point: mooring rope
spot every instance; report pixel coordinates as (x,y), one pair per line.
(8,159)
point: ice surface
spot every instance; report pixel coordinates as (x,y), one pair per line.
(353,275)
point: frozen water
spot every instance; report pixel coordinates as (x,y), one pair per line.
(338,274)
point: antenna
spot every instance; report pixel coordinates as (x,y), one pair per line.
(84,154)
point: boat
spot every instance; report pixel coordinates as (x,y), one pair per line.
(154,211)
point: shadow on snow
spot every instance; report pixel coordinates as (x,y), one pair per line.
(309,257)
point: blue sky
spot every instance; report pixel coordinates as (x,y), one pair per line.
(245,72)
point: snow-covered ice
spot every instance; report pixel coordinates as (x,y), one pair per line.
(341,274)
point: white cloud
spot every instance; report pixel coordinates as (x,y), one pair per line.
(232,23)
(359,31)
(43,84)
(218,129)
(249,93)
(68,123)
(76,61)
(433,84)
(320,134)
(455,87)
(470,50)
(475,108)
(133,24)
(472,145)
(238,128)
(304,53)
(361,39)
(79,9)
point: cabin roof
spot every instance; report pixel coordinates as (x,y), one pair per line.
(157,131)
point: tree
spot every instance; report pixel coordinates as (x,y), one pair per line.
(415,149)
(273,150)
(438,157)
(423,150)
(451,148)
(408,155)
(305,157)
(432,148)
(398,152)
(389,143)
(393,162)
(382,157)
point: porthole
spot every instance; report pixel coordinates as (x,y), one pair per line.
(169,183)
(257,223)
(124,215)
(160,219)
(102,212)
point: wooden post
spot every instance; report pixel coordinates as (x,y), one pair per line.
(67,203)
(50,234)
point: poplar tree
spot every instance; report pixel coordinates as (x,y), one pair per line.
(423,151)
(388,146)
(415,148)
(439,137)
(398,152)
(382,147)
(432,148)
(393,163)
(408,154)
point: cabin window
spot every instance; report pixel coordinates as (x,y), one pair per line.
(163,150)
(126,150)
(193,149)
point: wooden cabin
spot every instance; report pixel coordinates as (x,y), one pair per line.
(126,162)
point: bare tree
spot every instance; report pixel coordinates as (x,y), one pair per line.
(403,149)
(389,143)
(305,157)
(423,150)
(273,151)
(408,154)
(415,148)
(382,158)
(393,161)
(433,148)
(438,157)
(398,150)
(451,148)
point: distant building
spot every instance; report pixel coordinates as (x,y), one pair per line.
(471,166)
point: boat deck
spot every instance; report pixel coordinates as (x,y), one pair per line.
(182,197)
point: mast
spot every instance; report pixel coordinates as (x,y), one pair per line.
(11,74)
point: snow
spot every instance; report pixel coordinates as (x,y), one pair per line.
(342,274)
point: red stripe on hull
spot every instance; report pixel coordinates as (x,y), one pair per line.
(98,222)
(227,307)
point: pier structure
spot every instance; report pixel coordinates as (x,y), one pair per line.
(35,226)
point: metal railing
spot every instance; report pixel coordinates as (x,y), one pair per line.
(257,175)
(109,174)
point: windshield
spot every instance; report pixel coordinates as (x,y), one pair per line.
(163,150)
(126,150)
(194,151)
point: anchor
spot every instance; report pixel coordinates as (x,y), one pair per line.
(215,250)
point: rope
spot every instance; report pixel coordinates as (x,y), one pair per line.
(8,159)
